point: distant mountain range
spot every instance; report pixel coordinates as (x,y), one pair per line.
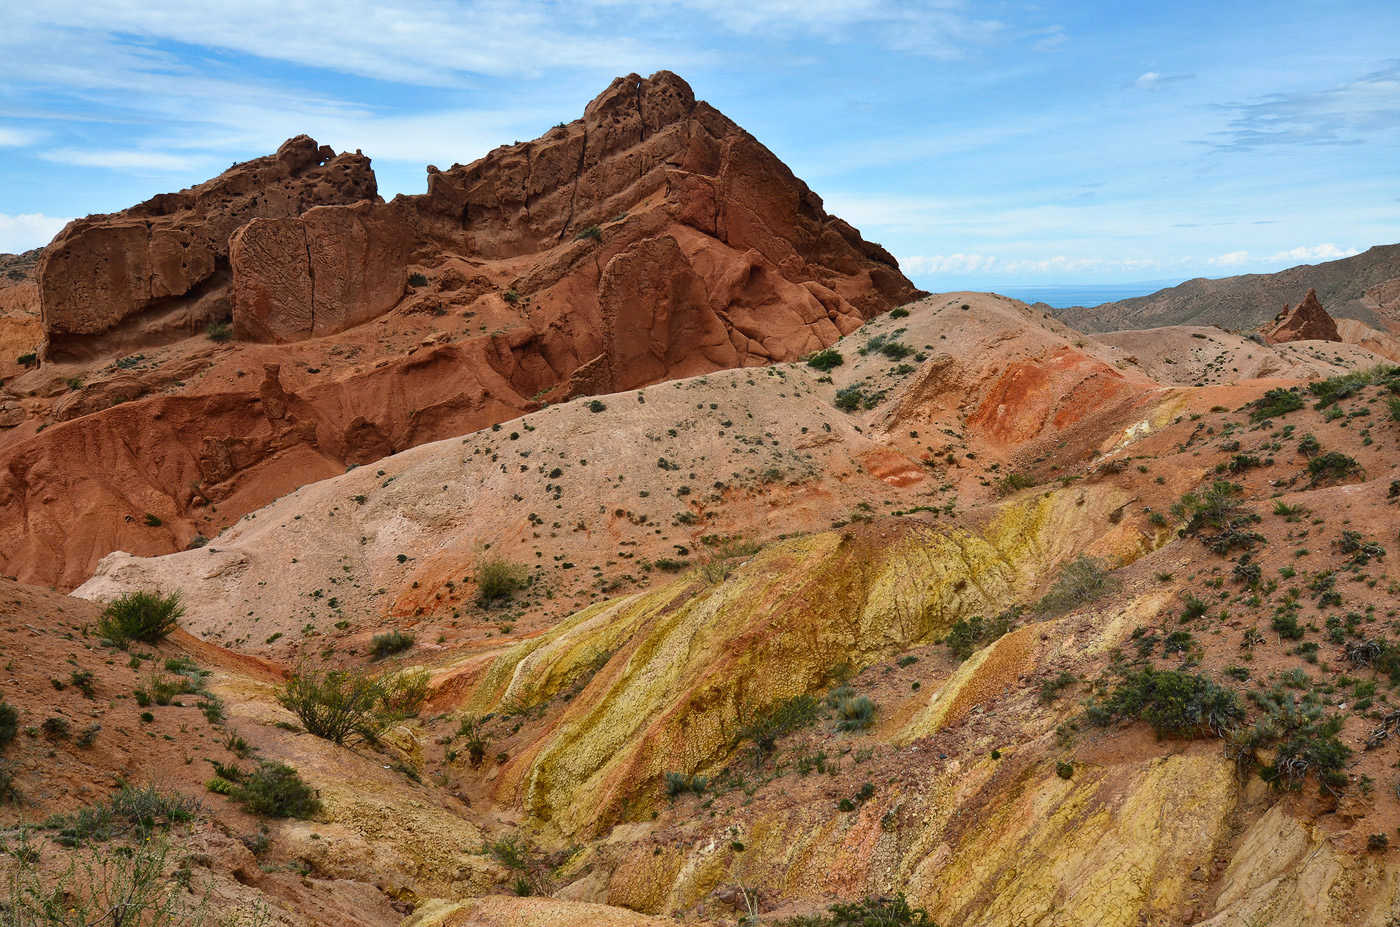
(1365,287)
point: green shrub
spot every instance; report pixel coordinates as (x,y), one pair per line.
(532,875)
(390,643)
(1309,746)
(1175,704)
(596,405)
(1333,465)
(1222,509)
(416,279)
(473,738)
(678,783)
(1079,582)
(132,888)
(896,350)
(340,704)
(511,297)
(1274,403)
(1344,386)
(876,911)
(899,313)
(139,809)
(1193,607)
(218,332)
(140,616)
(1050,689)
(778,720)
(9,792)
(849,399)
(498,578)
(1013,482)
(968,636)
(592,232)
(826,360)
(276,790)
(55,727)
(28,360)
(853,712)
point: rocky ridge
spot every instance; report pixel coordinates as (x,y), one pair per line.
(1364,287)
(648,240)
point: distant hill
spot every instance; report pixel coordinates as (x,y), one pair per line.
(1365,287)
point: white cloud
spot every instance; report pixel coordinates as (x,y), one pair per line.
(1368,107)
(17,138)
(947,263)
(1229,259)
(27,230)
(124,160)
(1304,254)
(1149,81)
(1054,36)
(441,42)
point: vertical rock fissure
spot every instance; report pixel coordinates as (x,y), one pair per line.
(311,276)
(641,116)
(578,176)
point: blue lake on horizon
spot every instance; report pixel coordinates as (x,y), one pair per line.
(1061,296)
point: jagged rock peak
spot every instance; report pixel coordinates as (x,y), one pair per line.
(1307,322)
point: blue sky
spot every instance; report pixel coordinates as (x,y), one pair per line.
(985,144)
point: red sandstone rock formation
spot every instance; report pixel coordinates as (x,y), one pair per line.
(162,266)
(1308,322)
(651,239)
(652,215)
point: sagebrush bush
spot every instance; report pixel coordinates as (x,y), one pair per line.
(854,713)
(1333,465)
(140,616)
(1175,704)
(132,888)
(341,704)
(1343,386)
(778,720)
(1013,482)
(498,578)
(1274,403)
(826,360)
(390,643)
(276,790)
(1079,582)
(967,636)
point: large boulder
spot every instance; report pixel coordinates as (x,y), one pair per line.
(162,266)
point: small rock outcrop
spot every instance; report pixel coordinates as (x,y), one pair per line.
(162,266)
(1306,322)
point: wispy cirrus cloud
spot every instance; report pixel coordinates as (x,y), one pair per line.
(1345,114)
(1154,80)
(158,162)
(18,138)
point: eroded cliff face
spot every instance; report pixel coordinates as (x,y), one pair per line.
(655,237)
(161,268)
